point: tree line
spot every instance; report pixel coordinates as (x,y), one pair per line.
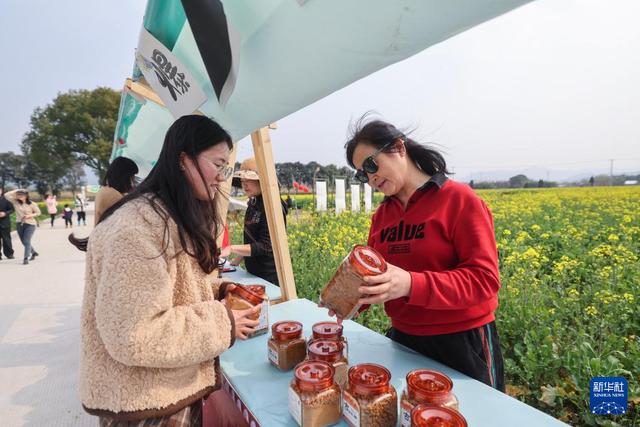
(74,131)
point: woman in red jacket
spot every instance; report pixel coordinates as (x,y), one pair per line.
(437,235)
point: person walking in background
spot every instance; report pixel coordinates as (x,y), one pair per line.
(82,215)
(52,207)
(6,209)
(118,181)
(67,214)
(26,214)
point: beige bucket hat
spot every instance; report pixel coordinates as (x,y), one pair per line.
(248,170)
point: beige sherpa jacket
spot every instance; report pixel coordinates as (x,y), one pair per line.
(152,328)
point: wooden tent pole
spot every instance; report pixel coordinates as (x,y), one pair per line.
(222,195)
(271,195)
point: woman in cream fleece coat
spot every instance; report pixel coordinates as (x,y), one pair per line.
(153,324)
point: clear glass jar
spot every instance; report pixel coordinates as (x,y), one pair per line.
(341,293)
(243,297)
(369,400)
(330,351)
(331,331)
(263,326)
(286,347)
(314,398)
(426,387)
(436,416)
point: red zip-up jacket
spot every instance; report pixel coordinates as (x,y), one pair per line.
(445,239)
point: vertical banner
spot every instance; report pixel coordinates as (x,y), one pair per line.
(321,196)
(355,197)
(367,198)
(341,203)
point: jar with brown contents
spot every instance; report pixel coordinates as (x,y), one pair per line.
(341,294)
(436,416)
(330,351)
(330,331)
(263,326)
(242,298)
(314,398)
(427,387)
(286,347)
(369,400)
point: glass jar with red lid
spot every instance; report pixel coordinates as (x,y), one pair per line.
(330,351)
(330,331)
(314,397)
(263,326)
(436,416)
(369,399)
(241,297)
(341,293)
(427,387)
(286,347)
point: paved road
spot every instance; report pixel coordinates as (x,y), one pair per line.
(39,332)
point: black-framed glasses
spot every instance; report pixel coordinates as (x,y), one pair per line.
(369,164)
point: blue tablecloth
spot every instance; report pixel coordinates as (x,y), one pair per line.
(245,278)
(264,389)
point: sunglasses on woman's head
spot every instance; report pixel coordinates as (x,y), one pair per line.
(369,164)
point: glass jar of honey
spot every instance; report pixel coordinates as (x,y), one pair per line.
(286,347)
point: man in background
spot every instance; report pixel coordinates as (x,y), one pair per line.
(6,209)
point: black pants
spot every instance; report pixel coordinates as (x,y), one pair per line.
(476,352)
(82,216)
(53,217)
(5,237)
(68,221)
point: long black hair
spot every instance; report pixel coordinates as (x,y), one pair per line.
(378,133)
(120,174)
(171,195)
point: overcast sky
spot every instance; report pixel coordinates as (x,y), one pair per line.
(554,85)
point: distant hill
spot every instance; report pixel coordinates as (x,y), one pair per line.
(541,173)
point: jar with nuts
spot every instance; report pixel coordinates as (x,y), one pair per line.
(369,400)
(314,397)
(428,387)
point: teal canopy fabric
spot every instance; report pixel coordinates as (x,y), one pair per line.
(291,53)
